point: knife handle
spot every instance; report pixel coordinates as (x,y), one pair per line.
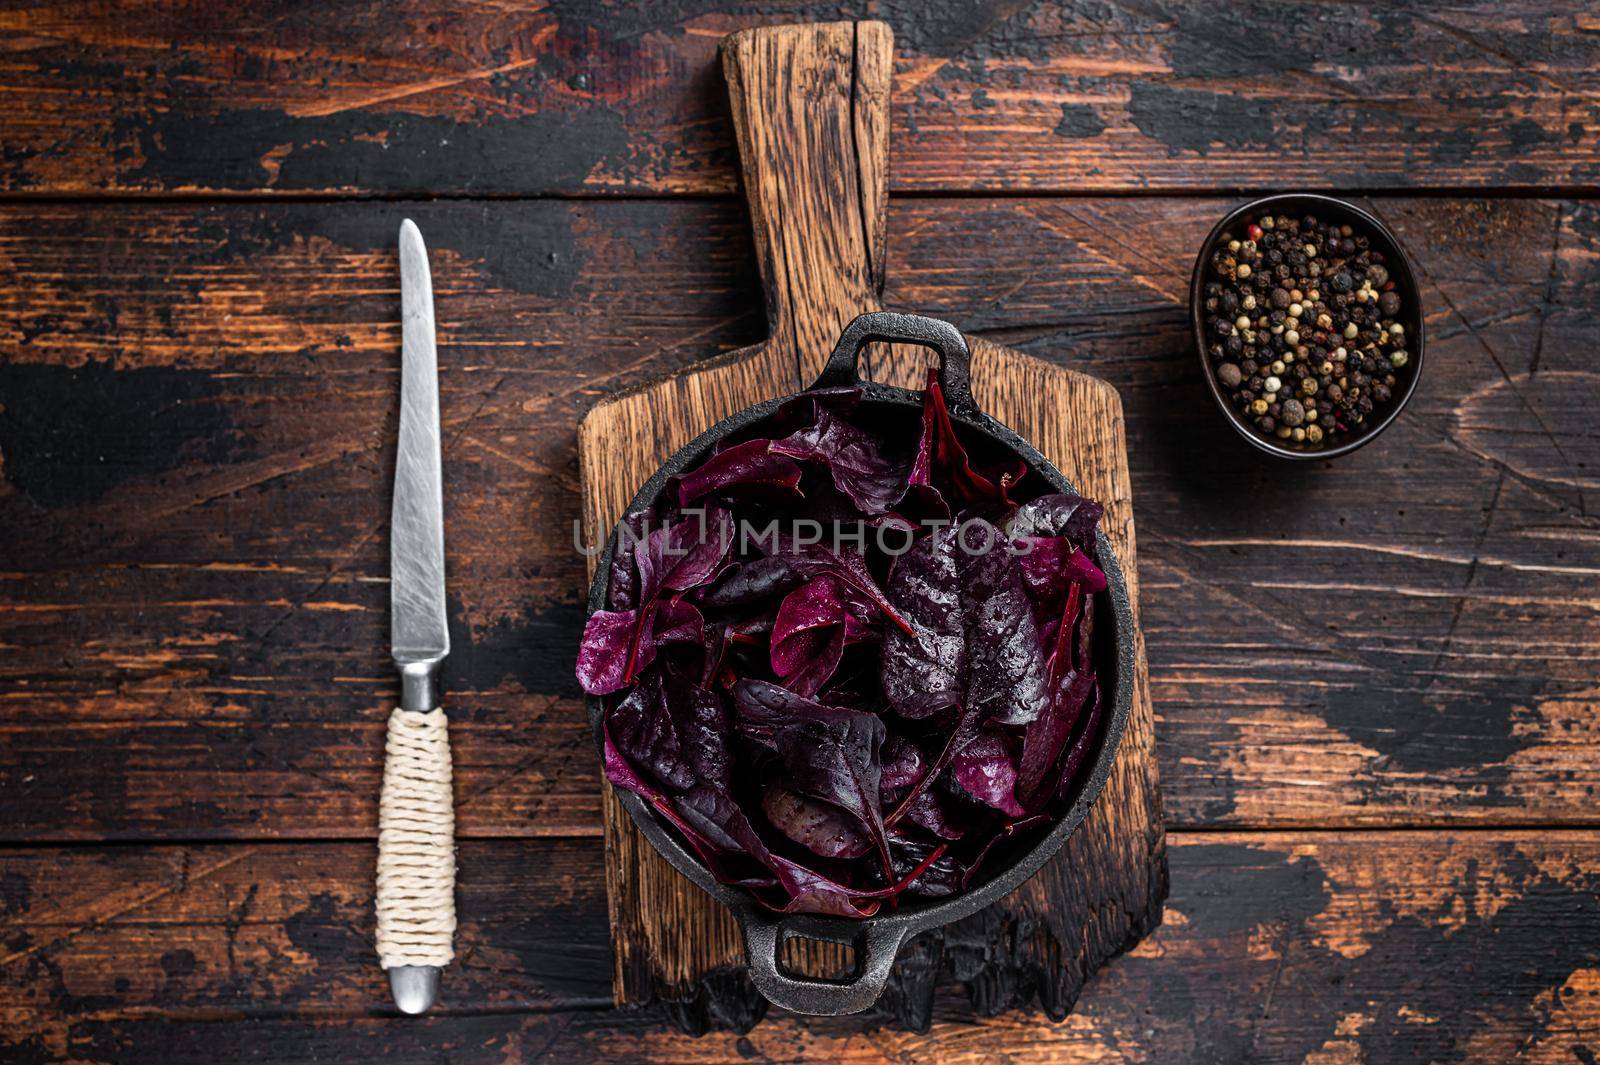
(416,855)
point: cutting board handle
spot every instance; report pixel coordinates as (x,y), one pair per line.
(811,113)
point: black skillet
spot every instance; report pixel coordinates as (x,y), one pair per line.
(876,940)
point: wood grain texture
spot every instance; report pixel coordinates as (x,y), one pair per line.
(479,97)
(1277,948)
(1408,637)
(809,162)
(194,613)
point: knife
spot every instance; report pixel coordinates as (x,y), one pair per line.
(416,818)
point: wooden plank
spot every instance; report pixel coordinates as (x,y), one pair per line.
(194,486)
(472,97)
(1278,947)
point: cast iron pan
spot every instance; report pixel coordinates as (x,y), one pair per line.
(876,940)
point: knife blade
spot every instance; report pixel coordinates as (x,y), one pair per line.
(418,633)
(416,820)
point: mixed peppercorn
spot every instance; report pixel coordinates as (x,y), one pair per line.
(1302,328)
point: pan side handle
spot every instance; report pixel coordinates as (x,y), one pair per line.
(876,946)
(955,358)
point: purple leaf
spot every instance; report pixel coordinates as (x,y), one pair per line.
(1042,561)
(711,849)
(808,636)
(817,826)
(748,465)
(924,674)
(1057,515)
(836,760)
(752,582)
(1006,678)
(976,653)
(986,769)
(828,752)
(942,462)
(603,657)
(902,762)
(675,557)
(642,728)
(713,814)
(622,585)
(975,645)
(1071,680)
(846,566)
(1082,569)
(1078,754)
(855,462)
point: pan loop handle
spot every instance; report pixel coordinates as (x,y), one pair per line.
(955,358)
(875,945)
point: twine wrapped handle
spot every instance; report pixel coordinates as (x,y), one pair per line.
(416,843)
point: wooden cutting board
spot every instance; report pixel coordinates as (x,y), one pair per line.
(810,107)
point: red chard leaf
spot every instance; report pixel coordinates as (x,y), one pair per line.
(819,827)
(986,769)
(846,566)
(751,464)
(808,635)
(942,462)
(1057,515)
(856,463)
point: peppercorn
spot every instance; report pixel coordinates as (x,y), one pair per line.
(1285,354)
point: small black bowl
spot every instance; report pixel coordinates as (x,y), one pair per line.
(1328,209)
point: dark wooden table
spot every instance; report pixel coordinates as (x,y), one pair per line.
(1376,681)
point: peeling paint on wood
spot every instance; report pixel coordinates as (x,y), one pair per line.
(612,97)
(1278,947)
